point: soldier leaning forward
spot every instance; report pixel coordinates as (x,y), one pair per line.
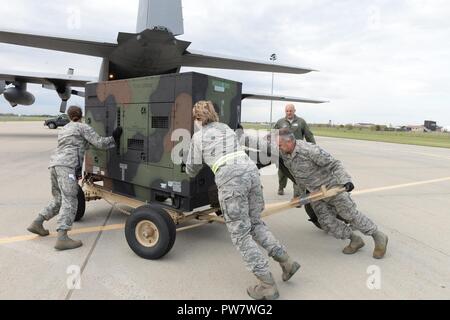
(65,171)
(312,167)
(300,129)
(240,196)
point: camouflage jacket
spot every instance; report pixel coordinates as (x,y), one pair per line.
(298,127)
(73,140)
(312,167)
(210,146)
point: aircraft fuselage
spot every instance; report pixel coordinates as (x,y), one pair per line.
(148,53)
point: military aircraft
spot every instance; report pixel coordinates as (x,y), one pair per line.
(13,86)
(152,50)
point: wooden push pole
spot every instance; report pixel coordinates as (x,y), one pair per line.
(323,193)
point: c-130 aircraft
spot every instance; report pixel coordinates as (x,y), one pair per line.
(152,50)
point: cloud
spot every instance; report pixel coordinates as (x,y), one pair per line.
(380,61)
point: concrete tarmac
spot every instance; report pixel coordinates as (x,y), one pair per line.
(396,187)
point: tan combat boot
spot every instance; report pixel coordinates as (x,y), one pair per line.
(65,243)
(356,243)
(381,242)
(37,227)
(265,290)
(289,266)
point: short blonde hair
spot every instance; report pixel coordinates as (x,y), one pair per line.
(204,111)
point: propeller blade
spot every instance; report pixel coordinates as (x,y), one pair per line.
(79,93)
(2,86)
(63,107)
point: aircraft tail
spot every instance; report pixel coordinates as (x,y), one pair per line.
(160,13)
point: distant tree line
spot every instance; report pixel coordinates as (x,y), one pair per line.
(26,116)
(376,127)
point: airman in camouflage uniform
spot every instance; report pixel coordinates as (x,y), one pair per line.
(65,171)
(300,129)
(312,167)
(241,198)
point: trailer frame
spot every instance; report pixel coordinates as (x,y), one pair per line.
(144,234)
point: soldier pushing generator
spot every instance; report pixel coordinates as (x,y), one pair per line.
(141,156)
(65,171)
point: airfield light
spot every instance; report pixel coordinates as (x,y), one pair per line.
(273,58)
(111,76)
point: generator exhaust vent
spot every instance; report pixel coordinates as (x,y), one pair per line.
(160,122)
(135,144)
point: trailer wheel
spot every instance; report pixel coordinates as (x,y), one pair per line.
(81,205)
(150,232)
(313,217)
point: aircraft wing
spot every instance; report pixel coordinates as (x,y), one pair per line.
(91,48)
(279,98)
(203,60)
(45,79)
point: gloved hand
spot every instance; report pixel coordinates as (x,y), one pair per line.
(117,133)
(78,173)
(349,187)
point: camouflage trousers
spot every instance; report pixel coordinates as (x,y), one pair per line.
(283,180)
(241,200)
(342,205)
(64,202)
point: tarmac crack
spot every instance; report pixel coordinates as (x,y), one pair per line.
(91,251)
(421,242)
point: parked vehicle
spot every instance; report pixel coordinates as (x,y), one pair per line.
(56,122)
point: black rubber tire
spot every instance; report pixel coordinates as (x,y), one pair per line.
(52,126)
(81,209)
(161,198)
(163,222)
(312,216)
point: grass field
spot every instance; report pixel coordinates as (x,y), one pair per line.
(435,139)
(12,118)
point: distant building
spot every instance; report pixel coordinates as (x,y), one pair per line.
(364,125)
(416,128)
(430,125)
(402,128)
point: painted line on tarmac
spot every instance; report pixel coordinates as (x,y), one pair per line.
(431,155)
(86,261)
(55,234)
(426,154)
(400,186)
(122,226)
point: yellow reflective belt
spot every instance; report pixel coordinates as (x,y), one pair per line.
(226,158)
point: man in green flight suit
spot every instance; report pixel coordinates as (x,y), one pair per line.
(301,131)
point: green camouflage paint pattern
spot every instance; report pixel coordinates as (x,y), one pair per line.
(149,110)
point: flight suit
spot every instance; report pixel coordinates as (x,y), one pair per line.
(65,169)
(240,193)
(312,167)
(301,131)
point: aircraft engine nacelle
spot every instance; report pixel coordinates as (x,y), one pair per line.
(64,93)
(18,96)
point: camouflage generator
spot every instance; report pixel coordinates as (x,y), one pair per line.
(150,110)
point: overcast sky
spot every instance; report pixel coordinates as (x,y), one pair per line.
(383,61)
